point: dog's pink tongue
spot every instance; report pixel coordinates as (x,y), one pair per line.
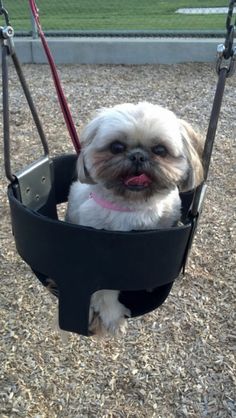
(141,180)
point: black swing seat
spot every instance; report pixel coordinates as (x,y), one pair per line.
(82,260)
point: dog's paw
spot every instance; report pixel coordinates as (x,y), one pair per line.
(107,314)
(95,325)
(114,318)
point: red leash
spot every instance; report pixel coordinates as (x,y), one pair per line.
(61,97)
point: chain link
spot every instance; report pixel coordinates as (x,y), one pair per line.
(230,27)
(230,14)
(227,52)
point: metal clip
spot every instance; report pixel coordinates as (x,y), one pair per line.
(6,35)
(6,32)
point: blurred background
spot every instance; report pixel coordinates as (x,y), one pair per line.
(121,17)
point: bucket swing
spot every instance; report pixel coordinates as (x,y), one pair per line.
(60,251)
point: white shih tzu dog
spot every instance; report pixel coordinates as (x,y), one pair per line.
(133,162)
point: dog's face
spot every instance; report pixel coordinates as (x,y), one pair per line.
(137,151)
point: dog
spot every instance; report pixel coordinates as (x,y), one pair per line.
(134,160)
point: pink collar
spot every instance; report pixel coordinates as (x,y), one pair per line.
(108,205)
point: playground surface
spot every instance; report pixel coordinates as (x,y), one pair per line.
(178,361)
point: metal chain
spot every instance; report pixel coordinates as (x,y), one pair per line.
(30,102)
(227,52)
(230,27)
(225,67)
(230,14)
(6,38)
(6,123)
(4,12)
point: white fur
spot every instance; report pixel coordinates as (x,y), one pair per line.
(159,212)
(135,122)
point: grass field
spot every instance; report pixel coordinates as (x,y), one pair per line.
(116,15)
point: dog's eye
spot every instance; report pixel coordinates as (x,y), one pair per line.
(117,147)
(160,150)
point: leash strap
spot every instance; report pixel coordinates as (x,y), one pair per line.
(61,97)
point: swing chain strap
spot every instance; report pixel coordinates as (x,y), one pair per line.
(6,32)
(6,124)
(4,12)
(6,38)
(6,35)
(227,52)
(225,68)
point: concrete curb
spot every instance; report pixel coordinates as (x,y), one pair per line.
(118,50)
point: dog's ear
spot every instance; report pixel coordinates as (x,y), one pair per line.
(87,136)
(91,129)
(193,143)
(82,172)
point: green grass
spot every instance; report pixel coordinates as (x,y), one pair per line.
(116,15)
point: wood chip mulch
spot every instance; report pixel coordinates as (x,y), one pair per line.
(178,361)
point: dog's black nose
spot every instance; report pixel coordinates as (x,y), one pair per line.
(137,157)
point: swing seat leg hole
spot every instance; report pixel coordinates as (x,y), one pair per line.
(110,309)
(140,302)
(107,315)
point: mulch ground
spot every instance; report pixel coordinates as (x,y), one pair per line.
(178,361)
